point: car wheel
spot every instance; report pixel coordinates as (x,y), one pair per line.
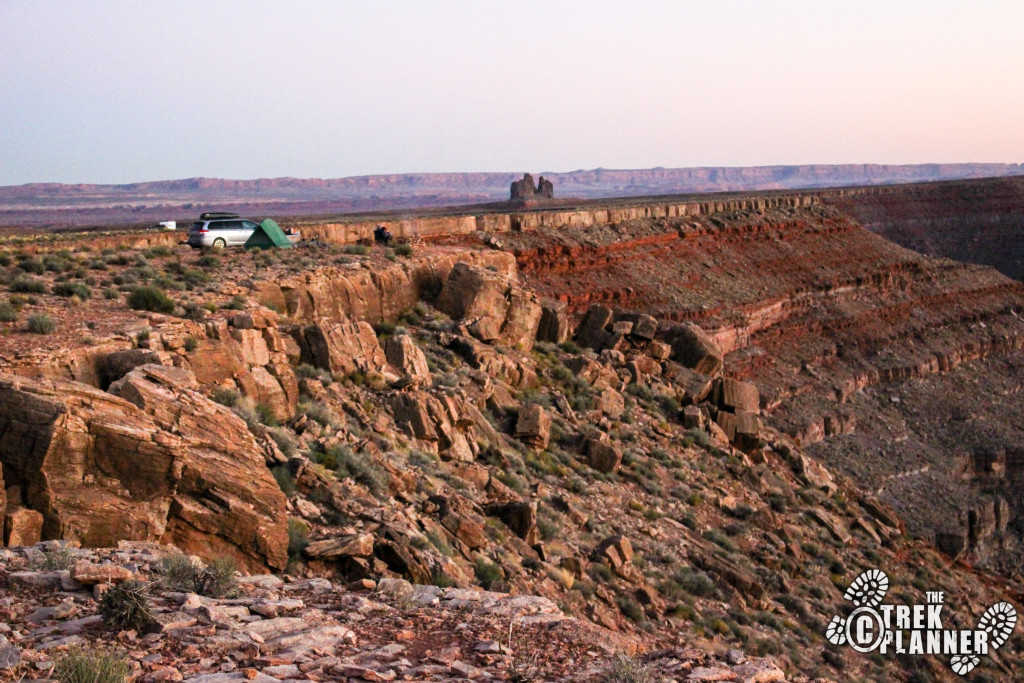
(219,243)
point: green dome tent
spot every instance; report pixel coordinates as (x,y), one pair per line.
(268,235)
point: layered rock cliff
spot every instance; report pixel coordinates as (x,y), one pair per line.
(979,221)
(820,314)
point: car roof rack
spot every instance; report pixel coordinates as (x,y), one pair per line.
(217,214)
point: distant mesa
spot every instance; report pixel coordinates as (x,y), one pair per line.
(525,189)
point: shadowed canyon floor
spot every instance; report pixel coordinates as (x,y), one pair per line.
(528,427)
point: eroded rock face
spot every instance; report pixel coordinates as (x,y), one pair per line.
(407,358)
(343,348)
(354,293)
(495,308)
(151,460)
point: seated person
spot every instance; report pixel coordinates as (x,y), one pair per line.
(382,235)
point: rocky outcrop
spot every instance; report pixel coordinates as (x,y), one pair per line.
(153,460)
(343,348)
(494,308)
(354,293)
(406,358)
(525,189)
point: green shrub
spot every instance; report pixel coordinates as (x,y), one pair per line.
(125,607)
(226,397)
(357,249)
(284,478)
(695,583)
(720,538)
(237,303)
(298,537)
(348,465)
(600,572)
(266,415)
(312,372)
(191,344)
(72,289)
(55,264)
(487,573)
(8,314)
(150,299)
(630,609)
(321,413)
(154,252)
(78,666)
(57,559)
(40,323)
(216,580)
(28,285)
(194,277)
(404,250)
(32,265)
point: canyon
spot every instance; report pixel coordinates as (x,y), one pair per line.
(685,421)
(58,205)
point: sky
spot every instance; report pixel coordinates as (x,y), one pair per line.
(113,92)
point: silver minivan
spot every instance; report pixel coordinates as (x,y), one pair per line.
(220,230)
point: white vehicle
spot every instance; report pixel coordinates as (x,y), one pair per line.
(219,230)
(168,225)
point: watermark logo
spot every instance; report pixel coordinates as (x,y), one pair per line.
(916,629)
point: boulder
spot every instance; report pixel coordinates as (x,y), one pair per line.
(695,387)
(748,430)
(89,573)
(22,527)
(495,309)
(734,396)
(694,348)
(519,516)
(343,348)
(534,426)
(727,422)
(264,388)
(603,456)
(406,357)
(349,545)
(432,418)
(554,323)
(493,362)
(831,522)
(611,403)
(644,327)
(119,363)
(617,551)
(814,473)
(152,460)
(659,350)
(591,332)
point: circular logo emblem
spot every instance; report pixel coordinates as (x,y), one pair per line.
(864,629)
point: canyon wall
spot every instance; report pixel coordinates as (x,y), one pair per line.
(977,221)
(834,324)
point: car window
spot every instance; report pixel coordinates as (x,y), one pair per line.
(249,225)
(198,225)
(231,225)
